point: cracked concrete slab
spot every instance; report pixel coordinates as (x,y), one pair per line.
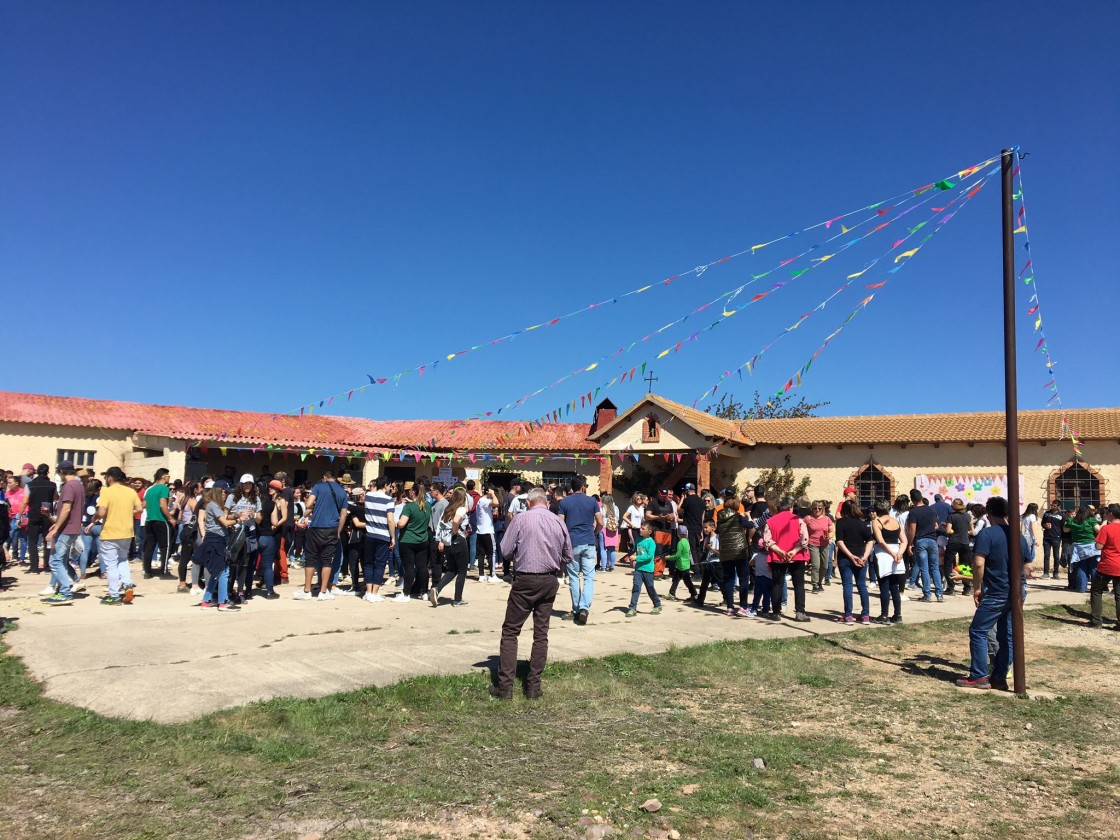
(164,659)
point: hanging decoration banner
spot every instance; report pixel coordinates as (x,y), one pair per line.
(1029,277)
(795,381)
(559,412)
(881,208)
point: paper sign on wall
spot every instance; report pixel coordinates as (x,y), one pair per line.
(973,489)
(474,474)
(445,476)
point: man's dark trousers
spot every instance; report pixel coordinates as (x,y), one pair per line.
(529,595)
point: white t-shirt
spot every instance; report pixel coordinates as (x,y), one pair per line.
(636,514)
(484,518)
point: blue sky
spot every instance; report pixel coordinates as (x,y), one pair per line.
(257,205)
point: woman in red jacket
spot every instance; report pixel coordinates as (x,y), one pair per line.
(786,540)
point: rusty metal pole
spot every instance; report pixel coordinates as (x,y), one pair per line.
(1011,408)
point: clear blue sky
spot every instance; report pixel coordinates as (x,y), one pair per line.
(254,205)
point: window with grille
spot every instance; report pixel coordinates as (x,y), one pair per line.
(1076,485)
(80,457)
(871,484)
(559,478)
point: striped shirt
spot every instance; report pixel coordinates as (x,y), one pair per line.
(378,507)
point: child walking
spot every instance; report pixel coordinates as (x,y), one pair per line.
(680,566)
(710,571)
(643,572)
(762,584)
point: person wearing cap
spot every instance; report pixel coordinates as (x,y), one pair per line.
(27,474)
(64,533)
(851,494)
(116,507)
(691,511)
(158,523)
(244,506)
(41,495)
(659,515)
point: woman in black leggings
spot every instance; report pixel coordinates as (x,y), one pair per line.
(890,552)
(412,536)
(452,548)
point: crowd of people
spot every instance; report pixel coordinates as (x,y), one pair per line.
(230,539)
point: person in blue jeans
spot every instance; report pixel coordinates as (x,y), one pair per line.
(991,591)
(921,533)
(854,544)
(643,572)
(584,519)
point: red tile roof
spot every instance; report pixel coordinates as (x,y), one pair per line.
(313,431)
(1089,423)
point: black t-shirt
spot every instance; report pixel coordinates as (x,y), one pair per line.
(656,507)
(40,491)
(924,520)
(691,511)
(758,508)
(1052,527)
(289,495)
(961,523)
(854,533)
(264,529)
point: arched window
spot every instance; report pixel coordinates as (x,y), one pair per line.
(1075,484)
(872,483)
(651,429)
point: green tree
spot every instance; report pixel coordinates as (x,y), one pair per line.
(780,481)
(773,408)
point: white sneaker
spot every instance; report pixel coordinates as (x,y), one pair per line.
(301,595)
(495,579)
(49,590)
(326,595)
(373,599)
(401,598)
(196,591)
(77,586)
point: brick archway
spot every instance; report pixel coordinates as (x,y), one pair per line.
(871,482)
(1074,482)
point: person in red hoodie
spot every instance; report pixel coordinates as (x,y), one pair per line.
(786,540)
(1108,569)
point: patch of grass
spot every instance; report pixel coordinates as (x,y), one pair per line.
(610,733)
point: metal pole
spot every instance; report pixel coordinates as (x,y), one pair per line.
(1011,400)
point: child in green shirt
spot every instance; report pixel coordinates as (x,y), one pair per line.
(643,572)
(680,567)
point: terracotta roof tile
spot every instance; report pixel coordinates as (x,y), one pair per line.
(1090,424)
(298,432)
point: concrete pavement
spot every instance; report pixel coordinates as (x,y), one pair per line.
(161,658)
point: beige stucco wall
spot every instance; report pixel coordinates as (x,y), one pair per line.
(677,436)
(38,443)
(829,467)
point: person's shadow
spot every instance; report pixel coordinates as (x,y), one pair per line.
(491,664)
(1076,616)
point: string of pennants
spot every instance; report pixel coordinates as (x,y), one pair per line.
(430,367)
(401,455)
(795,381)
(588,398)
(1028,276)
